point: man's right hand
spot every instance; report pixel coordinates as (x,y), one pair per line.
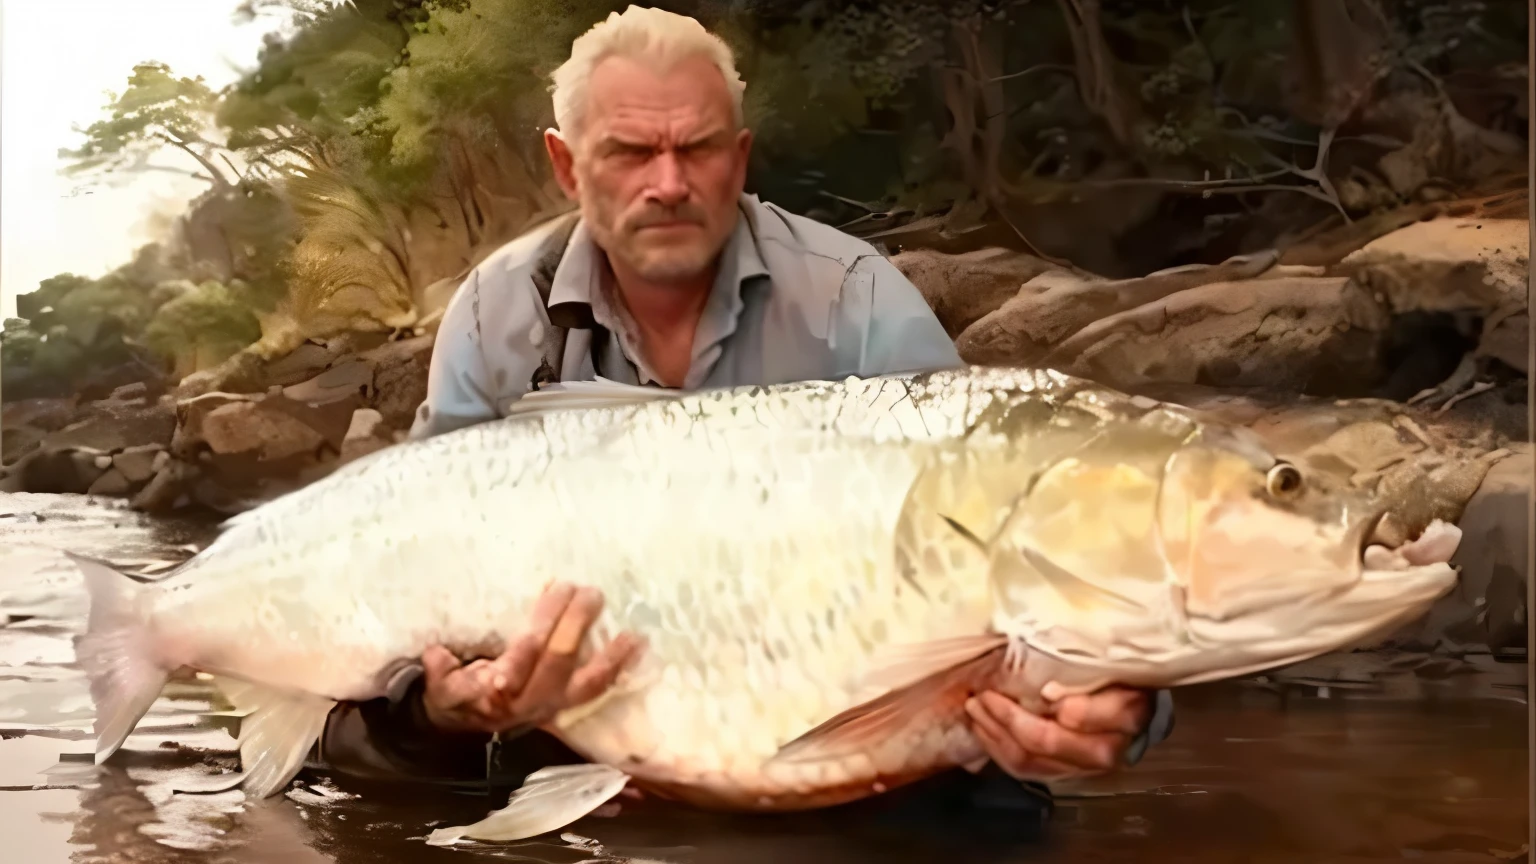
(535,678)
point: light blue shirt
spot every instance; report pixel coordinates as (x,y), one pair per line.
(794,300)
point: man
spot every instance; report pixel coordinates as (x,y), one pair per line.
(673,277)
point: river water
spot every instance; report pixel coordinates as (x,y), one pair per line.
(1425,766)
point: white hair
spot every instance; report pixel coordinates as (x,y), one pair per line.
(653,36)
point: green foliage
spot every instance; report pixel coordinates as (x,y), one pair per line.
(203,325)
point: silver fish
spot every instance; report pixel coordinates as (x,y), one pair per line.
(822,574)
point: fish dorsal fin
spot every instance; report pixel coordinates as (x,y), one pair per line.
(600,393)
(550,799)
(937,700)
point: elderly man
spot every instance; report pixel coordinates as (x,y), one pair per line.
(667,275)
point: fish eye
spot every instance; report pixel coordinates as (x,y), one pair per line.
(1284,480)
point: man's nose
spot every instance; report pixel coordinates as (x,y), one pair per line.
(668,184)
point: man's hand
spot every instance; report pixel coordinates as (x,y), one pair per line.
(1087,735)
(535,678)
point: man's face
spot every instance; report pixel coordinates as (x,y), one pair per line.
(658,166)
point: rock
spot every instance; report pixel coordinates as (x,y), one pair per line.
(18,441)
(110,484)
(961,289)
(1446,265)
(1058,304)
(128,392)
(113,426)
(242,373)
(347,378)
(250,427)
(139,464)
(400,379)
(1301,334)
(63,471)
(168,489)
(47,415)
(1496,532)
(1508,340)
(303,363)
(367,434)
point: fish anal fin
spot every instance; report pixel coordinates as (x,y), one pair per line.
(276,735)
(938,699)
(550,799)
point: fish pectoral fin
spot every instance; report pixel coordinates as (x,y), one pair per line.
(277,733)
(907,712)
(550,799)
(601,393)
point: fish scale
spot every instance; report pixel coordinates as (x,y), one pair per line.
(821,572)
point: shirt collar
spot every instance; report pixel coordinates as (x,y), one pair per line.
(577,282)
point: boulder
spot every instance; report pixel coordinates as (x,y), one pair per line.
(303,363)
(1448,264)
(961,289)
(245,372)
(168,489)
(138,464)
(62,471)
(254,428)
(400,379)
(1496,530)
(367,434)
(111,484)
(1059,303)
(350,377)
(1309,334)
(113,425)
(18,441)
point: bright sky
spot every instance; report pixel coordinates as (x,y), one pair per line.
(58,58)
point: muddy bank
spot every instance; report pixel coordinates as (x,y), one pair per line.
(1364,756)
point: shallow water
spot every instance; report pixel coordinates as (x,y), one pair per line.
(1423,767)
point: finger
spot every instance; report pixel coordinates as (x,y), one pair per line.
(598,675)
(553,669)
(1117,709)
(994,737)
(1049,739)
(510,673)
(548,609)
(447,683)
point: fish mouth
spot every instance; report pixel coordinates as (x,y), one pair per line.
(1435,546)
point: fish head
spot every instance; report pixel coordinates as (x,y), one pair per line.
(1277,559)
(1168,552)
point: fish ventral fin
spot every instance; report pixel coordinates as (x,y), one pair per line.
(117,653)
(938,699)
(276,735)
(601,393)
(550,799)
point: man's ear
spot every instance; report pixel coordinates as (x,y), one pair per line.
(562,160)
(743,155)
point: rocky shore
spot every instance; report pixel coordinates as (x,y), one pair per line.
(1406,358)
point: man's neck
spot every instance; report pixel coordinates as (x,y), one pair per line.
(666,316)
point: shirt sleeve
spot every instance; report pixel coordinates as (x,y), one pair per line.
(904,333)
(458,381)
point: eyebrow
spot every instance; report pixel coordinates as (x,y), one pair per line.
(612,140)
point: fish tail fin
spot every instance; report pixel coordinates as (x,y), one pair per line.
(550,799)
(117,653)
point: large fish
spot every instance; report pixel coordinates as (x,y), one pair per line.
(821,572)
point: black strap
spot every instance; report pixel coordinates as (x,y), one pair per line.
(550,253)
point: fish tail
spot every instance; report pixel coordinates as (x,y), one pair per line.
(117,653)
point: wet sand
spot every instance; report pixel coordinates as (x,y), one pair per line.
(1420,766)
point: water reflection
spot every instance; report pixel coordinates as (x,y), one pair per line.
(1252,773)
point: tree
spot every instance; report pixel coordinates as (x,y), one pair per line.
(156,111)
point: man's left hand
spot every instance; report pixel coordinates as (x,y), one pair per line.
(1087,735)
